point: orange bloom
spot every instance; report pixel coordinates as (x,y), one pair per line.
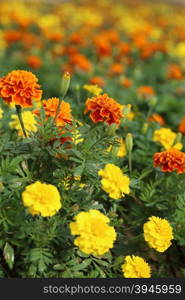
(34,61)
(170,160)
(103,46)
(146,91)
(174,72)
(116,69)
(104,109)
(156,118)
(182,126)
(80,61)
(124,48)
(50,107)
(77,39)
(97,80)
(20,87)
(12,36)
(127,83)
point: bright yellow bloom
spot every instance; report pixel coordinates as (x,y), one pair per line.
(166,137)
(158,233)
(42,199)
(120,149)
(95,236)
(28,120)
(93,89)
(114,182)
(136,267)
(1,113)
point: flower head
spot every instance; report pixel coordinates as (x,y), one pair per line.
(158,233)
(182,126)
(146,92)
(95,236)
(104,109)
(170,160)
(120,149)
(136,267)
(41,199)
(114,182)
(165,136)
(156,118)
(20,87)
(50,107)
(28,120)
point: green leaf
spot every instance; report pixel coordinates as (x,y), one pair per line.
(9,255)
(83,265)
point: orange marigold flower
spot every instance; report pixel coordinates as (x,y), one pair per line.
(12,36)
(80,61)
(104,109)
(116,69)
(182,126)
(170,160)
(156,118)
(50,107)
(34,61)
(97,80)
(174,72)
(20,87)
(127,83)
(146,91)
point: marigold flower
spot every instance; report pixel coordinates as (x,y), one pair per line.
(136,267)
(166,137)
(42,199)
(20,87)
(120,149)
(50,107)
(95,236)
(158,233)
(170,160)
(97,80)
(28,120)
(114,182)
(80,61)
(182,126)
(116,69)
(34,61)
(126,82)
(174,72)
(94,89)
(104,109)
(156,118)
(146,92)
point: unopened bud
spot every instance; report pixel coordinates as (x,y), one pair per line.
(126,109)
(65,83)
(178,138)
(129,142)
(153,101)
(145,128)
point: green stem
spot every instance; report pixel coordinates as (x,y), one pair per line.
(130,161)
(18,110)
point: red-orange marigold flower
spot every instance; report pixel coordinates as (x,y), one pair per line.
(20,87)
(156,118)
(104,109)
(34,61)
(145,91)
(182,126)
(50,107)
(170,160)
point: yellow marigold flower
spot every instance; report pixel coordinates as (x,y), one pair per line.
(93,89)
(120,149)
(114,182)
(136,267)
(42,199)
(95,236)
(158,233)
(28,120)
(166,137)
(1,113)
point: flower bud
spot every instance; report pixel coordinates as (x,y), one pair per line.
(178,138)
(144,128)
(65,83)
(129,142)
(153,101)
(126,109)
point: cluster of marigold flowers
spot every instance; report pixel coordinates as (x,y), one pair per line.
(93,233)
